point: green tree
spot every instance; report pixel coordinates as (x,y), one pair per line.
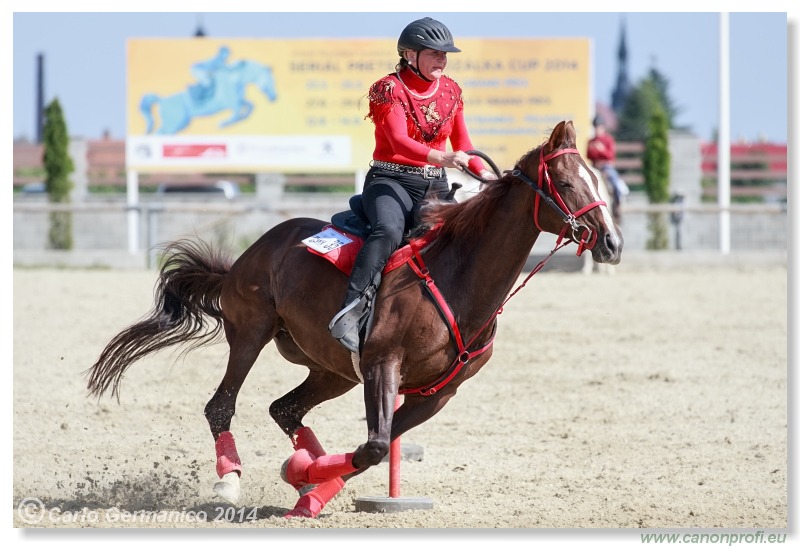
(661,85)
(58,166)
(656,175)
(655,162)
(643,101)
(648,96)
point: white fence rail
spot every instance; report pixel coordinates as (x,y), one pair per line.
(102,225)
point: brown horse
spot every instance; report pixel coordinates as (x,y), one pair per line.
(278,291)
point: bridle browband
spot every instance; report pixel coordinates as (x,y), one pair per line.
(547,192)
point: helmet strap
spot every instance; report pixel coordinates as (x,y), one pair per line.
(419,74)
(415,70)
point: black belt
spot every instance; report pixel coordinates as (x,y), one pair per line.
(428,171)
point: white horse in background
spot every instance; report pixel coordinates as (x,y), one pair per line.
(589,265)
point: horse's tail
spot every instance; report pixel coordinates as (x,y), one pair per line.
(146,107)
(187,297)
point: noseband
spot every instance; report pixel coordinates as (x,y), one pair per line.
(547,192)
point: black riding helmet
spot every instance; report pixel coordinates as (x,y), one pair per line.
(426,33)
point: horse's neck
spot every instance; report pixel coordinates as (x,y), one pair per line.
(491,264)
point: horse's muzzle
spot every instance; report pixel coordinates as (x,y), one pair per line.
(608,248)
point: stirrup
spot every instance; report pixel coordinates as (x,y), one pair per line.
(346,325)
(349,316)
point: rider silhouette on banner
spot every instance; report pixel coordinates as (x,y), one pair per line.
(204,72)
(221,86)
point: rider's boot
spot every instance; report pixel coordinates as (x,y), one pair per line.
(347,324)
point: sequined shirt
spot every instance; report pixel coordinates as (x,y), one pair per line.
(413,116)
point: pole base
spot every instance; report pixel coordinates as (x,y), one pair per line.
(389,505)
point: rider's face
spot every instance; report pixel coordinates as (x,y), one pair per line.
(430,63)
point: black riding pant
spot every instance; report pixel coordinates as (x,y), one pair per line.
(388,199)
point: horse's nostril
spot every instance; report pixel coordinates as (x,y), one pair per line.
(609,242)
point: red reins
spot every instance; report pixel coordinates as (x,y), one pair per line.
(585,239)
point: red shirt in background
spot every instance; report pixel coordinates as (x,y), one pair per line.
(602,149)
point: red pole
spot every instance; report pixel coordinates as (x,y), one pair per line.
(394,461)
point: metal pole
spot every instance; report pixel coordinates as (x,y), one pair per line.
(724,138)
(395,453)
(133,211)
(39,98)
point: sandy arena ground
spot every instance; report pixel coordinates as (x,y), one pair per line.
(647,399)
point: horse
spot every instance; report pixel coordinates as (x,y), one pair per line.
(607,195)
(225,91)
(434,316)
(615,199)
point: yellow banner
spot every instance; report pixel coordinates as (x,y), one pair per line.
(245,105)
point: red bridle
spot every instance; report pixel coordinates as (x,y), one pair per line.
(547,192)
(585,240)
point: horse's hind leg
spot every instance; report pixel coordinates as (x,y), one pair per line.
(288,412)
(319,386)
(245,345)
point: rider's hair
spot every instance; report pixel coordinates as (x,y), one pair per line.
(402,64)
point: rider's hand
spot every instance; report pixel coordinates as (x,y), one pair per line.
(456,159)
(488,175)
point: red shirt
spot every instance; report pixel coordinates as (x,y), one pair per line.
(413,116)
(601,154)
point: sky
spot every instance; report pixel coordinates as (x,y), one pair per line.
(85,55)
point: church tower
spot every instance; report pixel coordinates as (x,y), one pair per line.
(623,88)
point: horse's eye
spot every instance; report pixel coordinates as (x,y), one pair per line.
(565,185)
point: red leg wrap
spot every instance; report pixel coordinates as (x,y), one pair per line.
(311,504)
(304,438)
(227,457)
(330,467)
(297,468)
(302,469)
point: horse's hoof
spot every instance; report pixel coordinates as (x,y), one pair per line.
(283,470)
(228,488)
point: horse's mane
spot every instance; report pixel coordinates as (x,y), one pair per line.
(467,220)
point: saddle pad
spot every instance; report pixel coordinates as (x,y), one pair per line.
(345,256)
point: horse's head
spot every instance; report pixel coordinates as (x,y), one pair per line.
(567,201)
(261,75)
(266,82)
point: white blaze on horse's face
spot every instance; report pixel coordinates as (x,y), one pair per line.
(607,218)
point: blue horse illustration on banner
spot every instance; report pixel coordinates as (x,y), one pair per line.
(220,86)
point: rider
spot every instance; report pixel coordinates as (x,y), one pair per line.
(602,151)
(204,71)
(415,110)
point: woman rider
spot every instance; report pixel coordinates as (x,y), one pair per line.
(415,110)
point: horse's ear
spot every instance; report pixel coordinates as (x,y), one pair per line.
(563,136)
(569,131)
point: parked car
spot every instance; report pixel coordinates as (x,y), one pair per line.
(34,188)
(223,188)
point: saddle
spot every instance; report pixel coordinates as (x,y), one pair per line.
(354,225)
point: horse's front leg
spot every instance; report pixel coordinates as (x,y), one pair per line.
(240,112)
(381,385)
(417,409)
(309,465)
